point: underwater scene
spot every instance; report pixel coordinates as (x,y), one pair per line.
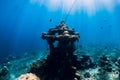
(60,40)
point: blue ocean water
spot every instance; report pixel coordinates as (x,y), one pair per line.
(23,21)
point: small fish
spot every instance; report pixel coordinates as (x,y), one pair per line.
(101,27)
(50,20)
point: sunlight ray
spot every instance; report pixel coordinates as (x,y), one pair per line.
(90,6)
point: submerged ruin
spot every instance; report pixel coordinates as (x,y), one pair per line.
(61,63)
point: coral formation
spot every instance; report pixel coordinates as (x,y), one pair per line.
(37,67)
(105,63)
(85,62)
(28,76)
(3,72)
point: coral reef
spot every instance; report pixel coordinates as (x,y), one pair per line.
(96,72)
(85,62)
(105,63)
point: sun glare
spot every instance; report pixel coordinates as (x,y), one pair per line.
(90,6)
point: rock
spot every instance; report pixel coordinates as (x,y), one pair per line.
(87,75)
(4,71)
(105,63)
(35,67)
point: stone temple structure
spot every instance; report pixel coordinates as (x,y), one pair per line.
(61,64)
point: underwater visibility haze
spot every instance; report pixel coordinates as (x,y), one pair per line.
(23,21)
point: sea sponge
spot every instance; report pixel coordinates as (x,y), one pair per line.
(28,76)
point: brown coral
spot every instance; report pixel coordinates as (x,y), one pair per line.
(28,76)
